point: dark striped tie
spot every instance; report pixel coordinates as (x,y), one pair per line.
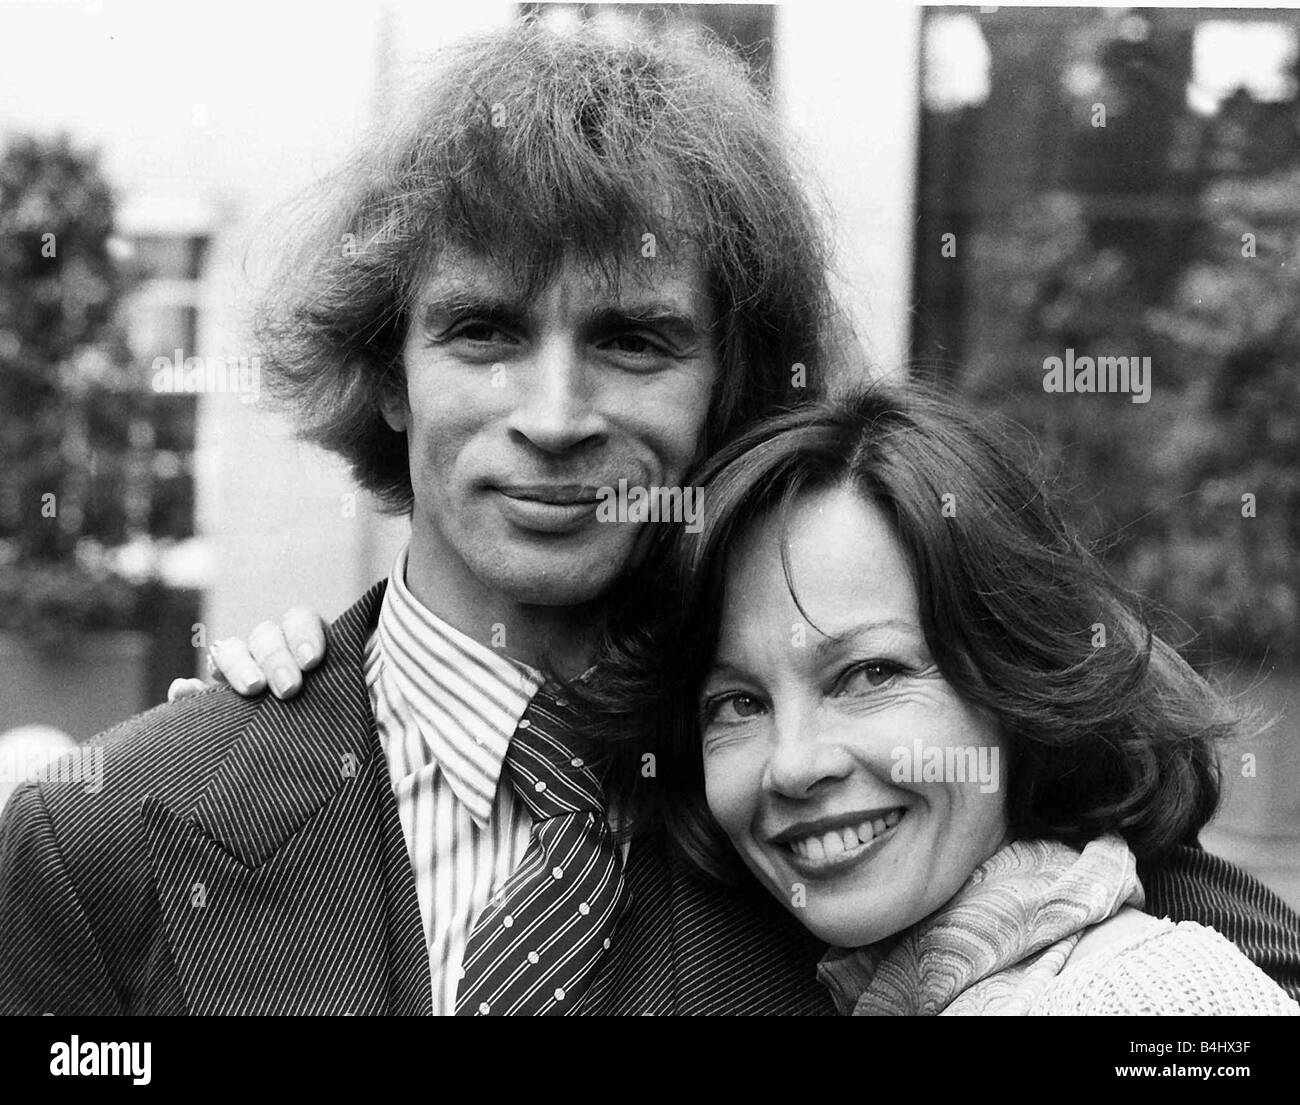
(537,944)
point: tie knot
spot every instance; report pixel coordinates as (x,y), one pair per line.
(548,774)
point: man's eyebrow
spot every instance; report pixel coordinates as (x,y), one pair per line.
(456,301)
(670,317)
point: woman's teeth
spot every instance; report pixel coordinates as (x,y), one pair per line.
(834,842)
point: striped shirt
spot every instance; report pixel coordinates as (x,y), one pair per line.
(446,708)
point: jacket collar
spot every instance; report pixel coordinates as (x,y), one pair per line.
(295,756)
(288,888)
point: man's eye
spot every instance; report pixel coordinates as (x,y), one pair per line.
(479,332)
(636,345)
(870,675)
(731,709)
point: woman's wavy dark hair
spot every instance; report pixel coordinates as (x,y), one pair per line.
(1113,738)
(531,146)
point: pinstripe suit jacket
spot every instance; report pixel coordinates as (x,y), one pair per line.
(247,857)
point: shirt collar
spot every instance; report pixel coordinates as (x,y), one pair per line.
(465,698)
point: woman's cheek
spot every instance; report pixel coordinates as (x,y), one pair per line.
(730,792)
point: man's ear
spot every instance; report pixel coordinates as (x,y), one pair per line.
(393,404)
(395,411)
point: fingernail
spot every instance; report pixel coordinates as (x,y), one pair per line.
(249,679)
(282,680)
(304,654)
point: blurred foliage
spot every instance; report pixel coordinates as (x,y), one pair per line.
(77,419)
(1165,226)
(44,603)
(1162,483)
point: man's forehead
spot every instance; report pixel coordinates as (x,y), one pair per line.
(600,283)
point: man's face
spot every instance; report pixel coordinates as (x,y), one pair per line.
(519,411)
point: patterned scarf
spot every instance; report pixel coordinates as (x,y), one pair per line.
(997,944)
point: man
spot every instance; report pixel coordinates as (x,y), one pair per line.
(576,262)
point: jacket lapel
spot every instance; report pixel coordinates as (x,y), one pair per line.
(287,888)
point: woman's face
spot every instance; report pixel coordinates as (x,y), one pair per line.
(855,783)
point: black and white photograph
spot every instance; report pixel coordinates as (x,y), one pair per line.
(649,509)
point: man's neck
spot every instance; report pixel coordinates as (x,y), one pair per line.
(556,638)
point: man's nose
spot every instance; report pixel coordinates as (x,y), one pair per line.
(556,411)
(804,757)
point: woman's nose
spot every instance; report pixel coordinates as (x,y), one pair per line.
(805,757)
(556,412)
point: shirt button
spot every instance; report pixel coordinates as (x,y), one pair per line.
(559,993)
(607,943)
(532,957)
(557,872)
(484,1008)
(561,703)
(507,920)
(576,761)
(524,723)
(584,908)
(539,786)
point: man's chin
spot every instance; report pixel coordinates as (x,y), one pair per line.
(557,580)
(566,590)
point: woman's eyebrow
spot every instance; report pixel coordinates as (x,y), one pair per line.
(832,641)
(723,670)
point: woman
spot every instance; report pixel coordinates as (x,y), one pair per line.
(886,678)
(927,721)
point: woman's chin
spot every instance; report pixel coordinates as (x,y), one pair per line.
(843,931)
(846,916)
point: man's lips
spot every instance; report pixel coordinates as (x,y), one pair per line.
(559,494)
(554,509)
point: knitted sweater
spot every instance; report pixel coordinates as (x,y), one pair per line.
(1181,969)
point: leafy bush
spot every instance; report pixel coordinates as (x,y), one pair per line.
(1162,483)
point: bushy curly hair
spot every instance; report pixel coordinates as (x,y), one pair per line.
(531,146)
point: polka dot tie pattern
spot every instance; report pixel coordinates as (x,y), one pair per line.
(539,941)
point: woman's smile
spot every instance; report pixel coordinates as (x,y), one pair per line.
(836,844)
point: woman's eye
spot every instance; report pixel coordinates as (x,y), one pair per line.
(731,709)
(870,675)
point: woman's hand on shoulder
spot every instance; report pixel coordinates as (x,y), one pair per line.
(274,655)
